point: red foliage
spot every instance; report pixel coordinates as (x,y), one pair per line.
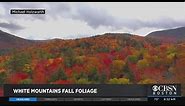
(68,72)
(39,76)
(105,63)
(127,51)
(113,53)
(1,91)
(153,52)
(51,68)
(153,73)
(137,73)
(44,69)
(122,55)
(146,45)
(15,78)
(163,47)
(78,68)
(106,59)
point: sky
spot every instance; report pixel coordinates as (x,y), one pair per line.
(72,20)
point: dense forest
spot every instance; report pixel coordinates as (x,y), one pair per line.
(103,59)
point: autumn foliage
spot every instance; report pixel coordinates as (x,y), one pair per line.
(109,58)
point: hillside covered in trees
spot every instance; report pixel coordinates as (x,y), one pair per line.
(112,58)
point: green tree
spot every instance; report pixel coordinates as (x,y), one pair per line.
(78,75)
(93,75)
(3,77)
(42,54)
(132,58)
(128,73)
(26,81)
(17,62)
(103,49)
(69,61)
(58,75)
(102,78)
(69,56)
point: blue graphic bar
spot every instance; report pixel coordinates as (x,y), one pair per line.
(22,99)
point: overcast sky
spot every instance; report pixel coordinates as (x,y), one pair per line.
(75,20)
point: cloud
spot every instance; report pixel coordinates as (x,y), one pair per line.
(11,26)
(97,17)
(80,19)
(94,17)
(164,22)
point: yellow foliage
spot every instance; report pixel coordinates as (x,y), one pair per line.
(27,68)
(79,59)
(119,81)
(142,64)
(118,64)
(171,56)
(147,81)
(82,81)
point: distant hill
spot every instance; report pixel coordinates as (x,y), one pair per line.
(11,41)
(8,41)
(170,35)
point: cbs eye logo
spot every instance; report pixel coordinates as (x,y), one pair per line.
(155,88)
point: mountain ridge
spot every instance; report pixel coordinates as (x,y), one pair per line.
(169,35)
(11,41)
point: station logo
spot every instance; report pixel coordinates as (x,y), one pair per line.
(164,90)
